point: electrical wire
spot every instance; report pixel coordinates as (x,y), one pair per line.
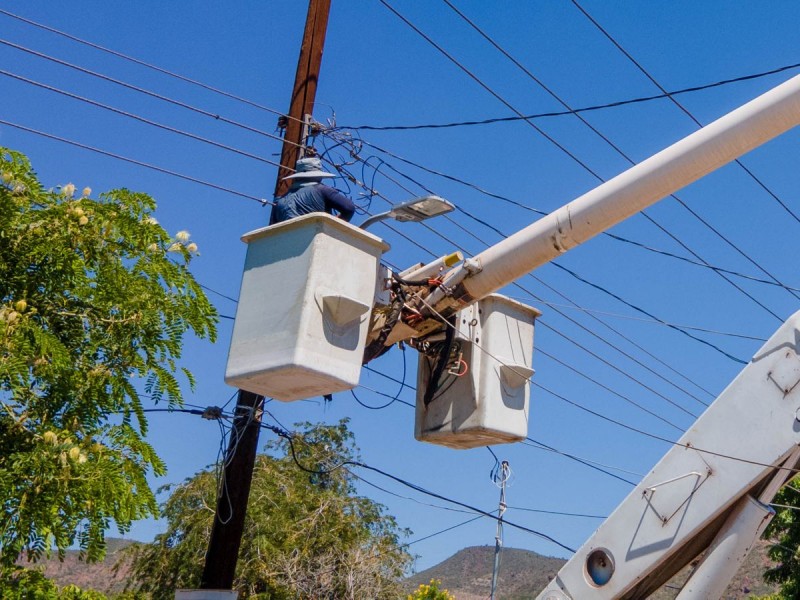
(148,65)
(563,113)
(634,429)
(290,438)
(396,495)
(441,531)
(652,321)
(516,284)
(220,294)
(537,211)
(616,148)
(557,513)
(540,445)
(393,399)
(606,325)
(146,92)
(261,201)
(569,318)
(686,111)
(529,441)
(611,391)
(576,159)
(138,118)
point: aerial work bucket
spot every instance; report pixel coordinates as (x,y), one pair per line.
(301,323)
(482,397)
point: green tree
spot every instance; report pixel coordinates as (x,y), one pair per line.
(785,530)
(94,295)
(307,535)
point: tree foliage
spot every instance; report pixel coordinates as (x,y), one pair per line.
(785,530)
(431,591)
(307,535)
(95,300)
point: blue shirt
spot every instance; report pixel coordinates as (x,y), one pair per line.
(310,197)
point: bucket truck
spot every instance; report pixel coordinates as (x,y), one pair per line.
(709,494)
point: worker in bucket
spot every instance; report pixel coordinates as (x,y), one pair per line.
(309,195)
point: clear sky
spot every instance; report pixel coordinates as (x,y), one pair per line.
(377,71)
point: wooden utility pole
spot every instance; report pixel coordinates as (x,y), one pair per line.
(237,475)
(305,88)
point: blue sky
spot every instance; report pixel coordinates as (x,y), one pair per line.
(377,71)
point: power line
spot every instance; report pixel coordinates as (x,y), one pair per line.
(582,347)
(634,429)
(653,321)
(145,64)
(703,264)
(630,160)
(630,401)
(591,464)
(683,109)
(529,441)
(372,191)
(644,312)
(477,80)
(137,117)
(573,156)
(608,326)
(261,201)
(572,273)
(353,463)
(540,212)
(557,513)
(699,124)
(152,94)
(574,111)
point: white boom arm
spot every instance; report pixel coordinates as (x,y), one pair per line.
(710,490)
(709,148)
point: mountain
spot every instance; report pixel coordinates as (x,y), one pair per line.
(467,574)
(95,576)
(523,574)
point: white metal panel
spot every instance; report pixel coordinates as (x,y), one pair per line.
(754,420)
(301,323)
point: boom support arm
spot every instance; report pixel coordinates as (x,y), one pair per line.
(737,455)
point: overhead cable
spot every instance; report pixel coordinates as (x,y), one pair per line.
(683,109)
(529,441)
(567,337)
(516,284)
(152,94)
(148,65)
(585,462)
(537,211)
(653,321)
(138,117)
(353,463)
(261,201)
(561,147)
(563,113)
(581,373)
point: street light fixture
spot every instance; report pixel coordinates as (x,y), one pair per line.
(413,210)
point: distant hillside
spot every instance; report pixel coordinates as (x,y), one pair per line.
(467,574)
(523,574)
(95,576)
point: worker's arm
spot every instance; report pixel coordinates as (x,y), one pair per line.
(336,200)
